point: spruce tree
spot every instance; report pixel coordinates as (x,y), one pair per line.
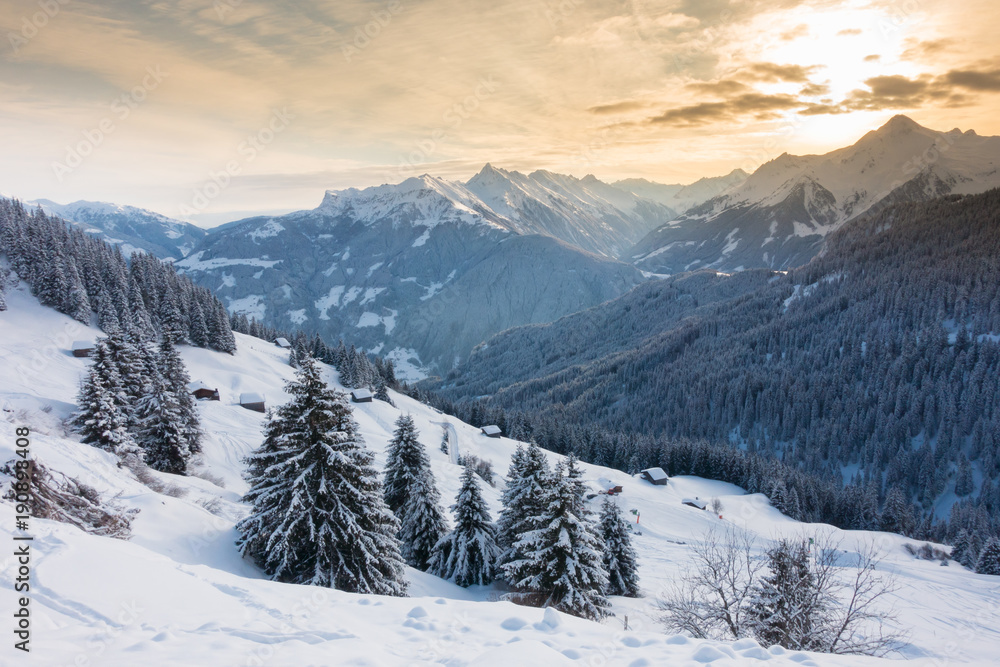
(786,602)
(962,550)
(318,516)
(523,497)
(171,367)
(405,459)
(989,558)
(619,556)
(468,555)
(100,419)
(896,515)
(422,522)
(558,559)
(162,432)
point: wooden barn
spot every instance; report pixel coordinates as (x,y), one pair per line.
(492,431)
(202,391)
(82,348)
(282,343)
(608,487)
(696,503)
(361,396)
(655,476)
(253,401)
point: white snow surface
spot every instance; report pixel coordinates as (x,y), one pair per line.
(178,593)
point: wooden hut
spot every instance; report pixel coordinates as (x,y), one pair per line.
(655,476)
(696,503)
(253,401)
(202,391)
(361,396)
(82,348)
(282,343)
(492,431)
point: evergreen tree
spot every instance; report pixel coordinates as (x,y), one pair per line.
(171,367)
(963,482)
(619,556)
(786,601)
(317,515)
(989,558)
(162,433)
(381,391)
(558,561)
(468,555)
(100,419)
(3,288)
(962,551)
(405,462)
(524,497)
(422,522)
(896,515)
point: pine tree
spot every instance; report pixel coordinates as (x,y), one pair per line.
(171,367)
(619,556)
(523,497)
(381,391)
(962,550)
(558,558)
(896,515)
(468,555)
(162,433)
(786,602)
(405,460)
(318,517)
(3,288)
(100,420)
(422,522)
(989,558)
(963,482)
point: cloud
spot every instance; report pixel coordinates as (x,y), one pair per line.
(983,81)
(617,107)
(722,88)
(755,105)
(922,49)
(814,89)
(873,58)
(774,73)
(800,30)
(847,32)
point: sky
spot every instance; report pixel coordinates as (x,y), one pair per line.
(209,110)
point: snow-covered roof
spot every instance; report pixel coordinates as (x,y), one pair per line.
(196,385)
(361,393)
(83,345)
(251,397)
(282,342)
(700,504)
(606,483)
(655,473)
(491,430)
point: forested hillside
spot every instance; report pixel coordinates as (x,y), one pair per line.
(81,276)
(877,362)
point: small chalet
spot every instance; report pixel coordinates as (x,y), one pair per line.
(253,401)
(655,476)
(361,396)
(695,503)
(282,343)
(608,487)
(492,431)
(202,391)
(82,348)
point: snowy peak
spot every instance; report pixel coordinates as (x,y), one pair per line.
(683,197)
(130,227)
(779,216)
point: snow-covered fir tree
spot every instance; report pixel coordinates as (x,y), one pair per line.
(896,515)
(786,603)
(422,521)
(171,367)
(989,558)
(524,497)
(162,432)
(963,551)
(100,420)
(468,555)
(405,460)
(559,558)
(619,555)
(3,288)
(382,391)
(318,516)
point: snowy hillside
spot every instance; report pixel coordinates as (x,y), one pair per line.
(779,216)
(132,228)
(177,593)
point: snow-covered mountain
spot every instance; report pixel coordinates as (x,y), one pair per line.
(422,271)
(682,197)
(779,216)
(584,212)
(130,227)
(178,587)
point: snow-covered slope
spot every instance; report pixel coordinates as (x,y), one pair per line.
(423,270)
(132,228)
(177,593)
(779,216)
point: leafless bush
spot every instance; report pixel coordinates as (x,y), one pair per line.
(717,506)
(151,481)
(926,551)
